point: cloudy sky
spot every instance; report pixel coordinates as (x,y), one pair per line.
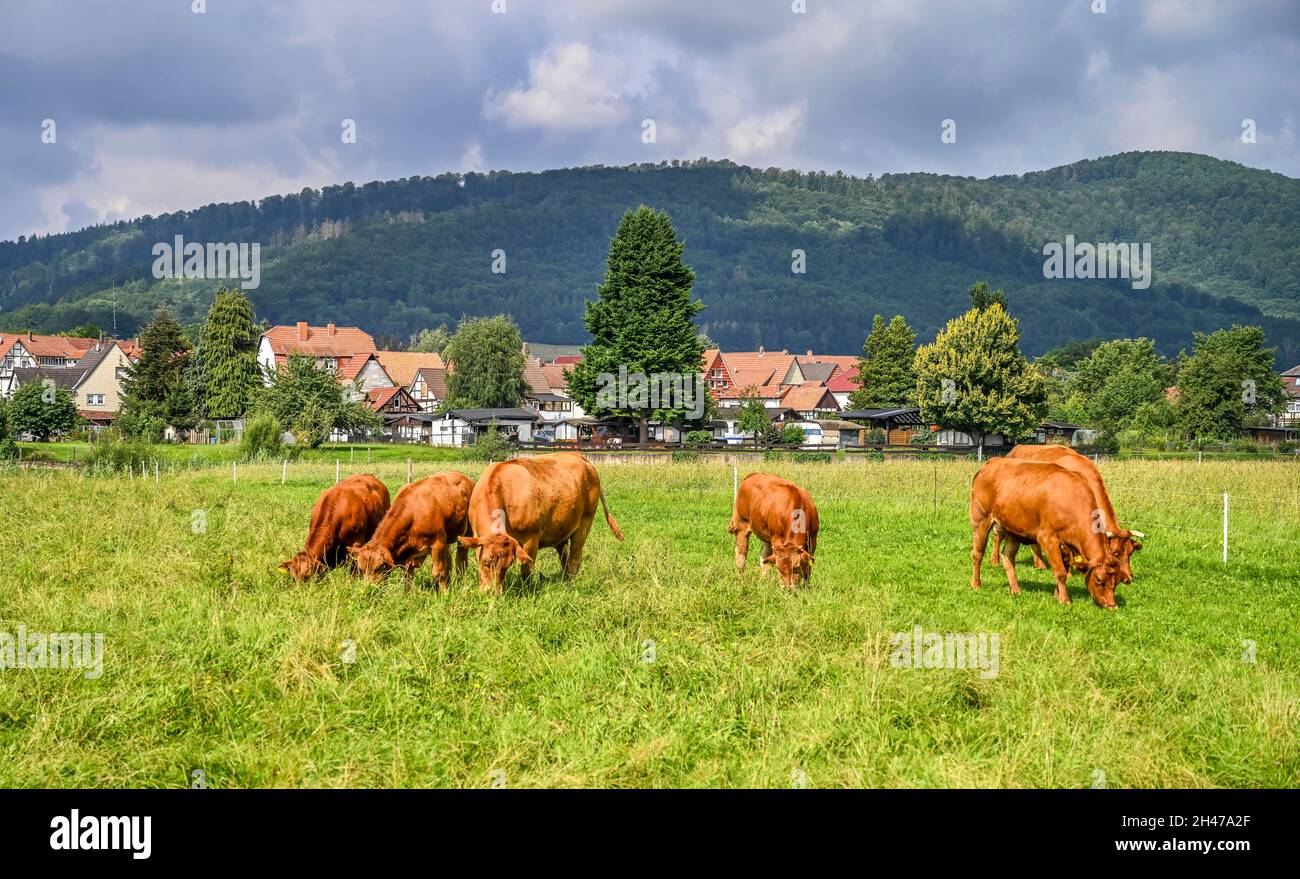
(158,108)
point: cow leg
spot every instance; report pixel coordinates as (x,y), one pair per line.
(763,556)
(1038,556)
(572,559)
(981,524)
(526,569)
(1056,560)
(997,546)
(1010,546)
(440,561)
(462,559)
(742,546)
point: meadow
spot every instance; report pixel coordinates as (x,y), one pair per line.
(658,665)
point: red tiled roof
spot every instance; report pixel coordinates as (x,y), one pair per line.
(379,397)
(351,368)
(805,397)
(845,382)
(402,366)
(39,345)
(554,373)
(568,359)
(326,341)
(535,377)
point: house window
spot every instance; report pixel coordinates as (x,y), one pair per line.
(95,399)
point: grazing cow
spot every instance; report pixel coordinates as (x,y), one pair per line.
(344,514)
(1122,542)
(427,518)
(784,517)
(1047,504)
(525,504)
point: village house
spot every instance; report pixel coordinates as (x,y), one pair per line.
(347,351)
(547,400)
(429,388)
(94,380)
(462,427)
(404,421)
(1290,414)
(31,350)
(781,380)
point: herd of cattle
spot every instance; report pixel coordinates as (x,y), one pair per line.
(1050,498)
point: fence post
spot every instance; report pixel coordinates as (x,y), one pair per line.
(284,470)
(234,471)
(735,482)
(1225,527)
(336,471)
(408,471)
(155,470)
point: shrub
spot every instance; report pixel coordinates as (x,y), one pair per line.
(111,453)
(875,437)
(491,446)
(875,455)
(792,435)
(696,438)
(261,440)
(685,456)
(922,439)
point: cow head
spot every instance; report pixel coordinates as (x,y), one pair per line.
(1103,577)
(303,567)
(1122,545)
(496,553)
(373,560)
(793,562)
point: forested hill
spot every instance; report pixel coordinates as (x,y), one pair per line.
(396,256)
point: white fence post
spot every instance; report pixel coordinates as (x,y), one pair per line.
(284,470)
(336,471)
(1225,527)
(155,471)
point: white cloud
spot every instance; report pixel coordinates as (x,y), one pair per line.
(472,159)
(573,87)
(758,138)
(135,171)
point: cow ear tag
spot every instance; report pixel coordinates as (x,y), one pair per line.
(1078,560)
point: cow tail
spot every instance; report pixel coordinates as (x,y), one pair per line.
(613,526)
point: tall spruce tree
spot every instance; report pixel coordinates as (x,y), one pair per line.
(154,387)
(224,366)
(886,372)
(973,377)
(641,325)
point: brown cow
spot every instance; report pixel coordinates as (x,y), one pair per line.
(427,518)
(1122,542)
(784,517)
(1047,504)
(525,504)
(344,514)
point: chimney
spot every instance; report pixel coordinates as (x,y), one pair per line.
(329,329)
(29,335)
(760,350)
(810,354)
(302,331)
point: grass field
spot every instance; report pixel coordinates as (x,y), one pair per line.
(214,661)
